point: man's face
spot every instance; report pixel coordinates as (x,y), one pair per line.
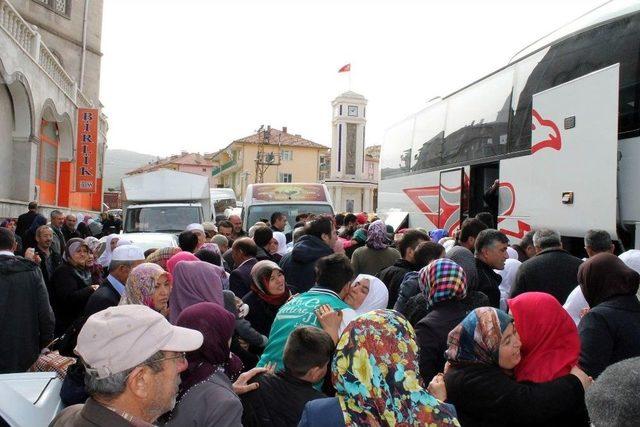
(202,238)
(57,221)
(44,238)
(226,231)
(409,255)
(70,222)
(332,238)
(165,385)
(496,255)
(237,223)
(280,223)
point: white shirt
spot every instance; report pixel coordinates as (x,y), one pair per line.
(575,304)
(7,253)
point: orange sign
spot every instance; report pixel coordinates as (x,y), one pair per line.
(87,154)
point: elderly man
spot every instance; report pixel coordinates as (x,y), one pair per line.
(27,318)
(56,222)
(198,230)
(69,228)
(244,251)
(491,254)
(238,232)
(553,270)
(49,259)
(123,260)
(133,358)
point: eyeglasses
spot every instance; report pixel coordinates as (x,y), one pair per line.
(182,355)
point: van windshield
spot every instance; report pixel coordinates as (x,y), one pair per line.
(256,212)
(159,219)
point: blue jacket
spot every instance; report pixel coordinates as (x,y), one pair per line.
(299,264)
(322,413)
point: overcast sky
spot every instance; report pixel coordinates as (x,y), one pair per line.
(195,75)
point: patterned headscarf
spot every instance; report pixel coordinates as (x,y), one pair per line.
(377,235)
(375,373)
(161,256)
(442,280)
(141,284)
(476,340)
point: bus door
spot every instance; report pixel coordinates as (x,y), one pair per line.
(574,144)
(481,179)
(451,192)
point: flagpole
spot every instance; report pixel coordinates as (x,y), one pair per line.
(349,79)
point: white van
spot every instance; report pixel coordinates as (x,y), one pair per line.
(292,199)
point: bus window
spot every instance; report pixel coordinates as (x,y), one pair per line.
(396,159)
(428,137)
(478,119)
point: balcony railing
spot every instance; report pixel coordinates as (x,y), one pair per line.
(219,169)
(30,41)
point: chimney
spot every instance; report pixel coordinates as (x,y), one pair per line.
(284,129)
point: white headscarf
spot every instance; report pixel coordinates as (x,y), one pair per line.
(508,278)
(123,242)
(105,258)
(513,254)
(377,298)
(282,242)
(631,258)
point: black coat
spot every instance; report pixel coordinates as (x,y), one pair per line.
(69,234)
(26,318)
(70,296)
(432,332)
(609,333)
(47,273)
(104,297)
(489,283)
(240,279)
(486,396)
(553,271)
(261,313)
(299,265)
(24,222)
(392,276)
(278,402)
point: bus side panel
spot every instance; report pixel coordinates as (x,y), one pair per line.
(515,197)
(574,145)
(416,194)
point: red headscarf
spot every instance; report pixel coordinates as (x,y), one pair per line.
(550,340)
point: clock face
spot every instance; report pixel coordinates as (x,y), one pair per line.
(353,110)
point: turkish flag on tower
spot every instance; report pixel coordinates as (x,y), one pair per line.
(345,69)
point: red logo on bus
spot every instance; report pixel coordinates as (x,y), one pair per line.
(552,139)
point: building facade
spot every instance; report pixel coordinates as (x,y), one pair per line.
(185,162)
(352,184)
(293,159)
(49,68)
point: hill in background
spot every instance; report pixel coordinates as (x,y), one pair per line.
(118,162)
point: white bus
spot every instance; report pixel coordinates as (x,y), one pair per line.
(559,127)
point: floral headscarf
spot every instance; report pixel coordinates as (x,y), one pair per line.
(377,235)
(141,284)
(161,256)
(442,280)
(375,373)
(476,340)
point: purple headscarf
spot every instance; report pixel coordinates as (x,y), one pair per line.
(194,282)
(377,235)
(217,326)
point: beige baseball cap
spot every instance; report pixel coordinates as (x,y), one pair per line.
(122,337)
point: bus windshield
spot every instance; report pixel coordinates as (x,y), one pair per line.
(160,219)
(256,212)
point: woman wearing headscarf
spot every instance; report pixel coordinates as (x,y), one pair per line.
(465,259)
(483,351)
(268,293)
(206,395)
(94,268)
(376,255)
(30,234)
(194,282)
(357,241)
(180,256)
(444,285)
(508,274)
(110,244)
(549,337)
(148,284)
(210,252)
(161,256)
(281,238)
(610,331)
(71,285)
(82,226)
(375,374)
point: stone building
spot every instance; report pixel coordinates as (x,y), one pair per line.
(351,183)
(49,68)
(295,159)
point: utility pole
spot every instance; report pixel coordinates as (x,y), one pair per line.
(264,160)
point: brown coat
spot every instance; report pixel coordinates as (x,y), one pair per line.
(90,414)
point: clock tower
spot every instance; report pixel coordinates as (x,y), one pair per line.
(350,188)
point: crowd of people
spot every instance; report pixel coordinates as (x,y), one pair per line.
(332,321)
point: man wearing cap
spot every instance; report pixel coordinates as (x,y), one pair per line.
(133,358)
(198,230)
(123,260)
